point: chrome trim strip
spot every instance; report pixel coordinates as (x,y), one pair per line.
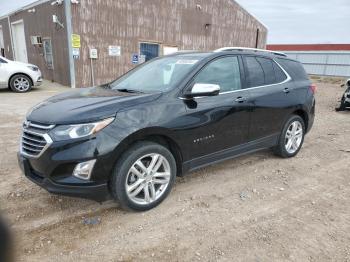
(237,48)
(30,149)
(32,139)
(255,87)
(33,133)
(30,124)
(48,144)
(26,141)
(30,144)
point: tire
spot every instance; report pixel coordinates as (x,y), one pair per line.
(20,83)
(342,106)
(128,172)
(284,148)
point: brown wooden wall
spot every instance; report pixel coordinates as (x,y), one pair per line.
(40,24)
(169,22)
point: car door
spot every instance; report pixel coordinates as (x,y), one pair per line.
(270,93)
(218,122)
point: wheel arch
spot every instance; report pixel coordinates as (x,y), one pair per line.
(19,73)
(157,135)
(303,114)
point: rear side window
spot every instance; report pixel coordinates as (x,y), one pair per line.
(294,69)
(256,76)
(269,72)
(263,71)
(280,75)
(223,72)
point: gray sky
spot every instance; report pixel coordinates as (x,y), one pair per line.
(289,21)
(303,21)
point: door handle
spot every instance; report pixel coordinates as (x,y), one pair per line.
(240,99)
(286,90)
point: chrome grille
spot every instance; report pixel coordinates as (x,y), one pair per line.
(35,139)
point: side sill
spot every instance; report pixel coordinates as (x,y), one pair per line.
(229,153)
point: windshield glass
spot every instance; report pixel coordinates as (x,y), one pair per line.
(157,75)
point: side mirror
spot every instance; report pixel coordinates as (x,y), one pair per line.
(203,90)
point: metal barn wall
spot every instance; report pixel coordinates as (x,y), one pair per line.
(326,63)
(181,23)
(40,23)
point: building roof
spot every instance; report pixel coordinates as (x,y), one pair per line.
(310,47)
(39,2)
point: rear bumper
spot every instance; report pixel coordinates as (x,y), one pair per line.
(97,192)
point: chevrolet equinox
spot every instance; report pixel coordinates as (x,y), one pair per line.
(130,138)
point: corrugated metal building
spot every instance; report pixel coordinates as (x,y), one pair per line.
(76,42)
(320,59)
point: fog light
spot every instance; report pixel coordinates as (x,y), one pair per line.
(84,170)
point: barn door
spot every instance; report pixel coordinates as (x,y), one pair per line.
(19,41)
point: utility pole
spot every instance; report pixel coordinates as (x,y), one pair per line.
(68,12)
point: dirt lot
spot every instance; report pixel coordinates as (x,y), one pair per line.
(254,208)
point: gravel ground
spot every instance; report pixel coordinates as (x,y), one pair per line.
(253,208)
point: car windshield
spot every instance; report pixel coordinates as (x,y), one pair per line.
(157,75)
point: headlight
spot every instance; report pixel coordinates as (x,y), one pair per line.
(33,68)
(67,132)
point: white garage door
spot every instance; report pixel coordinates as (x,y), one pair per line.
(19,41)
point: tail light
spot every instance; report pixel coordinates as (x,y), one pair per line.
(313,88)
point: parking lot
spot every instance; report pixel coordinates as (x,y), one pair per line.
(253,208)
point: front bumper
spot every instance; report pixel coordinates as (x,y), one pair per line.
(70,187)
(38,81)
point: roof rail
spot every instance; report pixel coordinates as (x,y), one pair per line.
(249,49)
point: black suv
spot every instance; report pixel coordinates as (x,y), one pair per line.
(130,138)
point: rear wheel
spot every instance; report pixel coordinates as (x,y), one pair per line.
(292,137)
(20,83)
(143,176)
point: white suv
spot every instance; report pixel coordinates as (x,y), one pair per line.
(17,76)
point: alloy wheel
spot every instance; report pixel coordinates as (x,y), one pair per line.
(21,84)
(294,137)
(148,179)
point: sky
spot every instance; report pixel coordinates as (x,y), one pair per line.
(288,21)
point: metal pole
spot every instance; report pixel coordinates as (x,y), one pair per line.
(68,12)
(10,30)
(92,73)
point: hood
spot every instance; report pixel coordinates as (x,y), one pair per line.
(85,105)
(19,63)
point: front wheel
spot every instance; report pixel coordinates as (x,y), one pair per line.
(143,176)
(20,83)
(292,138)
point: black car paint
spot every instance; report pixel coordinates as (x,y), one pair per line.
(201,131)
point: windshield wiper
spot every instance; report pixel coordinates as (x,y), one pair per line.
(126,90)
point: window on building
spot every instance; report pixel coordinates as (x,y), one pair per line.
(224,72)
(149,51)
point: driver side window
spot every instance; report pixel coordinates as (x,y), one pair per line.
(224,72)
